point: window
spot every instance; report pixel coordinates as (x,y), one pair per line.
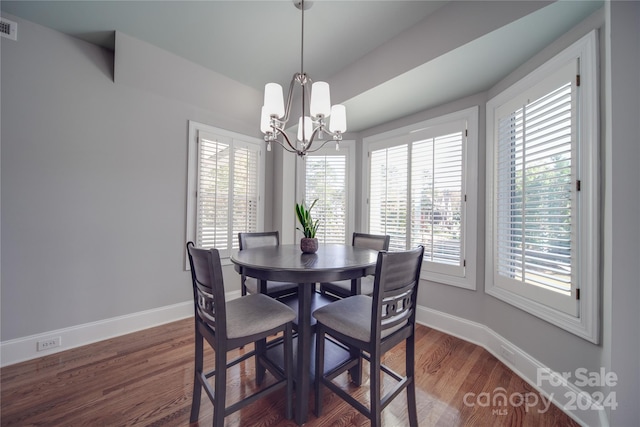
(542,233)
(422,191)
(224,187)
(328,177)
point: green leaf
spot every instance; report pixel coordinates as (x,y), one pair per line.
(309,227)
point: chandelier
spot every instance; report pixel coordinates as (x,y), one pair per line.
(318,116)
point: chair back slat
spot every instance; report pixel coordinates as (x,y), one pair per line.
(208,287)
(206,307)
(395,290)
(397,307)
(371,241)
(258,240)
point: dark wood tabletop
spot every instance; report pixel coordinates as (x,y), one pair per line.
(287,263)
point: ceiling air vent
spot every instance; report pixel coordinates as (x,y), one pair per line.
(8,29)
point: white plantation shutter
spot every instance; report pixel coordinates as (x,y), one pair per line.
(326,180)
(535,194)
(389,172)
(245,191)
(437,197)
(213,192)
(224,187)
(422,190)
(416,194)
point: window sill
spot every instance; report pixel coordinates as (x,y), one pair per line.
(445,279)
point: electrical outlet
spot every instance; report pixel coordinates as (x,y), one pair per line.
(49,343)
(508,355)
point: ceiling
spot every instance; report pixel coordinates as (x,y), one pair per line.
(255,42)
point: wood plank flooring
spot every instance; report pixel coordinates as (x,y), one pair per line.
(145,379)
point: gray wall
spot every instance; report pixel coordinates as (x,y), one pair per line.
(94,176)
(622,208)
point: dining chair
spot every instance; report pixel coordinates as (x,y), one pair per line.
(342,289)
(230,325)
(374,325)
(249,285)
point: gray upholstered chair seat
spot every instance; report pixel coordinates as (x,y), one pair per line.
(272,287)
(254,314)
(352,317)
(344,286)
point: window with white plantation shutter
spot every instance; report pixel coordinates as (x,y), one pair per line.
(388,194)
(542,172)
(328,175)
(326,181)
(224,187)
(419,193)
(245,190)
(212,194)
(535,195)
(437,196)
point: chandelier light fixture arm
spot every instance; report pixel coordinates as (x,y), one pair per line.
(316,109)
(291,147)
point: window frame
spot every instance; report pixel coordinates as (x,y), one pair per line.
(236,140)
(587,231)
(347,148)
(434,271)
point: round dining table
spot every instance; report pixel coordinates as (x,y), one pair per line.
(287,263)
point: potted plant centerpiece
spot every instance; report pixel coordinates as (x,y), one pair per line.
(309,243)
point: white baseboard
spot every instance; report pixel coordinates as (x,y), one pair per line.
(22,349)
(526,367)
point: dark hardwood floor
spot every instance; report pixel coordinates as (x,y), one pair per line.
(145,379)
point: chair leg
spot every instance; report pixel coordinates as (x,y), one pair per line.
(220,387)
(288,369)
(319,368)
(374,382)
(243,286)
(261,348)
(411,387)
(197,387)
(356,371)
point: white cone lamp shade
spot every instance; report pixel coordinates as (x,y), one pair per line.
(273,100)
(338,122)
(308,129)
(320,100)
(265,121)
